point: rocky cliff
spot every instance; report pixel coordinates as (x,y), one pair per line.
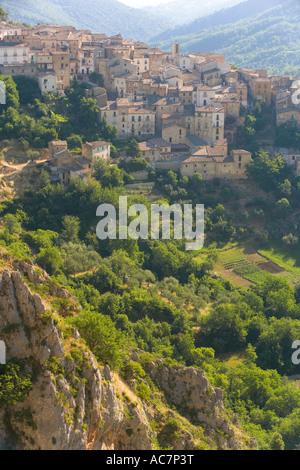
(75,403)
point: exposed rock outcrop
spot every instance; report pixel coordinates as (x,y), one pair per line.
(77,409)
(76,404)
(190,391)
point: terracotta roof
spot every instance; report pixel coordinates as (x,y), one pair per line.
(98,143)
(204,159)
(204,88)
(140,111)
(208,151)
(245,152)
(153,144)
(209,109)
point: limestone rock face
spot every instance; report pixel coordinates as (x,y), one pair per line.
(74,404)
(190,391)
(71,411)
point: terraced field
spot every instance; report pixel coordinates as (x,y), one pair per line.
(244,266)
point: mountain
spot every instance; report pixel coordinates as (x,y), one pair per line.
(178,12)
(100,16)
(242,11)
(252,34)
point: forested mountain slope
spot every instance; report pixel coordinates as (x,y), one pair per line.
(101,16)
(267,40)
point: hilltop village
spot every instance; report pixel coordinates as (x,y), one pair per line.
(184,110)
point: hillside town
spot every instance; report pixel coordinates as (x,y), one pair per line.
(184,110)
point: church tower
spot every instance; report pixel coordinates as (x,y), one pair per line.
(176,49)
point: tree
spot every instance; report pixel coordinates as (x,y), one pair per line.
(78,258)
(2,14)
(165,263)
(50,259)
(285,188)
(71,227)
(274,345)
(290,240)
(282,207)
(133,149)
(104,279)
(33,155)
(28,89)
(276,442)
(88,115)
(74,142)
(12,224)
(108,175)
(223,329)
(101,336)
(14,384)
(44,179)
(135,164)
(268,171)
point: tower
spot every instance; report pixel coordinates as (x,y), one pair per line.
(176,49)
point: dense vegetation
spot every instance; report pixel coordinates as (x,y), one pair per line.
(34,122)
(153,296)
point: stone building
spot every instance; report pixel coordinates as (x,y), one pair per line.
(261,90)
(209,123)
(212,162)
(94,151)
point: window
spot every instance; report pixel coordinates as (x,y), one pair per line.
(132,118)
